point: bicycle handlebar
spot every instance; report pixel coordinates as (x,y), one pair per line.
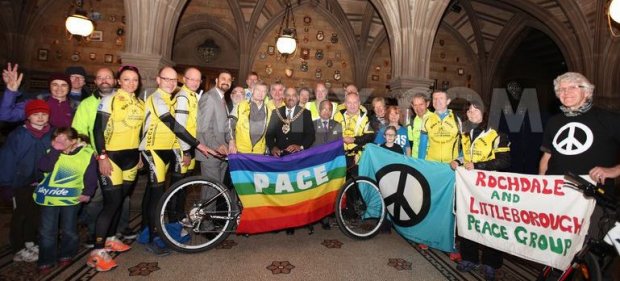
(590,190)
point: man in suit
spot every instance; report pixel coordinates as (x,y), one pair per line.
(212,128)
(325,128)
(290,129)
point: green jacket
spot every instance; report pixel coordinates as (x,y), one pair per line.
(84,119)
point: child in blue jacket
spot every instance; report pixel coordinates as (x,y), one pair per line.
(18,159)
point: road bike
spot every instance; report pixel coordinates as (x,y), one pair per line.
(360,210)
(596,257)
(196,214)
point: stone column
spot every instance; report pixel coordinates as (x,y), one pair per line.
(150,33)
(411,26)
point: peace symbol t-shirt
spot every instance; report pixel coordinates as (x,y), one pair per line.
(580,143)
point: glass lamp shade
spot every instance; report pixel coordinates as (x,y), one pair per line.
(614,10)
(286,44)
(79,25)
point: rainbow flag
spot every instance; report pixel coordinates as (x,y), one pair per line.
(289,191)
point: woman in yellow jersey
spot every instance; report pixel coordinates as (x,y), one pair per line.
(484,149)
(117,137)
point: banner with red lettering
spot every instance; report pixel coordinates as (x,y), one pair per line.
(530,216)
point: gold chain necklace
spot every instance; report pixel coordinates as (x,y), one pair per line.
(287,122)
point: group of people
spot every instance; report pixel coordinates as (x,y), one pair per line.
(103,138)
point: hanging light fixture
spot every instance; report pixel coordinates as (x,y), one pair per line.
(614,10)
(79,23)
(208,50)
(287,41)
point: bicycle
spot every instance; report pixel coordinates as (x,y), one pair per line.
(201,223)
(596,256)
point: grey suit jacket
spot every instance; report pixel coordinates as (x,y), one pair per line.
(324,135)
(212,124)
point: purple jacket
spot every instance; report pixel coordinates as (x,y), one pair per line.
(61,112)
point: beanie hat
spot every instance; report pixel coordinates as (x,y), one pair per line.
(60,76)
(36,106)
(75,70)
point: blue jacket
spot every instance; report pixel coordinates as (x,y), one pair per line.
(19,157)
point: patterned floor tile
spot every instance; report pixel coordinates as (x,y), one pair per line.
(331,244)
(280,267)
(226,244)
(143,269)
(399,264)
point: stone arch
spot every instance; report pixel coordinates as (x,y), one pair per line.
(197,23)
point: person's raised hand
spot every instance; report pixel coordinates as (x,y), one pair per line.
(11,77)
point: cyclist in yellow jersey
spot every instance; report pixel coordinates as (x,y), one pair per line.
(248,131)
(483,149)
(356,130)
(117,136)
(419,104)
(440,133)
(161,149)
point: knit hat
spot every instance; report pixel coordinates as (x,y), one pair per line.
(75,70)
(36,106)
(60,76)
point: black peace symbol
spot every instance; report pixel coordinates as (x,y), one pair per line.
(399,199)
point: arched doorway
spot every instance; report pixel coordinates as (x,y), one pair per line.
(533,63)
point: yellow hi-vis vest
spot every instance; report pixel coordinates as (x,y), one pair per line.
(443,137)
(413,132)
(353,126)
(242,130)
(483,147)
(65,183)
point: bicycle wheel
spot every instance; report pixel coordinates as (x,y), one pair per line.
(360,210)
(588,270)
(195,215)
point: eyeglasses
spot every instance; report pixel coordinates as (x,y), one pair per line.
(78,77)
(191,79)
(568,89)
(168,79)
(390,135)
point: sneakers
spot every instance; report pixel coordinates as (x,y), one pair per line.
(115,245)
(32,247)
(156,250)
(28,254)
(488,272)
(456,257)
(100,260)
(127,234)
(466,266)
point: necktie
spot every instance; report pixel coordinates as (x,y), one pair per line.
(326,126)
(288,114)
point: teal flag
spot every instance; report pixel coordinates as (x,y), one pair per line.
(418,194)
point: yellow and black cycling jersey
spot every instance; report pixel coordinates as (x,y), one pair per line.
(487,149)
(118,122)
(161,129)
(185,113)
(484,146)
